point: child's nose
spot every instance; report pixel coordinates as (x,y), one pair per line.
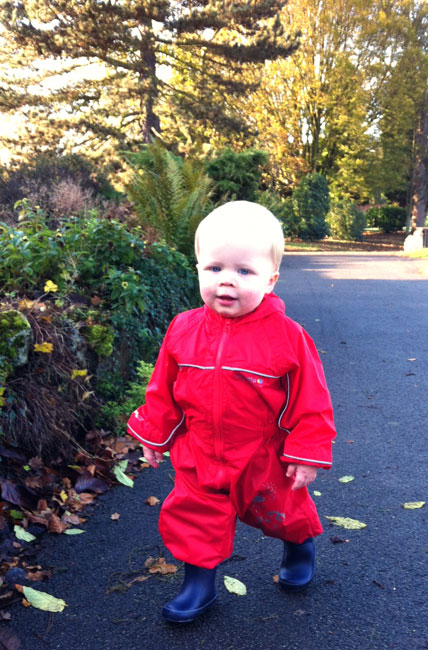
(226,278)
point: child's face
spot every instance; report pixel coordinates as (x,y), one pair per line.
(234,277)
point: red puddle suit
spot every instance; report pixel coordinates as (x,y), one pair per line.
(234,399)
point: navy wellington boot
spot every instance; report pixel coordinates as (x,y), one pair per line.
(197,594)
(298,565)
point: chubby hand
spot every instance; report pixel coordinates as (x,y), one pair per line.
(152,457)
(303,475)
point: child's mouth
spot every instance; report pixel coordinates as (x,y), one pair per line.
(226,300)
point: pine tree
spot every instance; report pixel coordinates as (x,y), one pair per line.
(131,42)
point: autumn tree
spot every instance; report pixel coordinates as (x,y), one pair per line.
(113,83)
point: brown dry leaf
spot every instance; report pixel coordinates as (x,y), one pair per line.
(138,579)
(115,516)
(96,300)
(42,505)
(26,603)
(276,578)
(152,501)
(70,518)
(144,465)
(85,498)
(56,525)
(42,574)
(160,566)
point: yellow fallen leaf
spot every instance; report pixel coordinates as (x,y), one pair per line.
(346,479)
(317,493)
(78,373)
(235,586)
(45,347)
(413,505)
(346,522)
(43,601)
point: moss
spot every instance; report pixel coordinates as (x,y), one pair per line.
(15,338)
(100,338)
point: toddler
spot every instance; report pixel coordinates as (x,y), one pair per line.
(238,396)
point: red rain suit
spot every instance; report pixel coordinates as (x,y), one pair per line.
(231,399)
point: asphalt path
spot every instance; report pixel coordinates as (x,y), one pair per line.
(368,315)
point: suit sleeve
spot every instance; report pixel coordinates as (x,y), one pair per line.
(308,415)
(160,419)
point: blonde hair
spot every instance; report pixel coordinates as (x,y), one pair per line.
(239,217)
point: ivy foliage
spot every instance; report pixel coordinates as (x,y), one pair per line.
(99,298)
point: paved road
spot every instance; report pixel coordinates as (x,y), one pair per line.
(369,317)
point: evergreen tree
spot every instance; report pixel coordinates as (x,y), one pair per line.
(133,46)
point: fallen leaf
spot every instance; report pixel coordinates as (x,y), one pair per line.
(346,479)
(413,505)
(160,566)
(41,600)
(119,472)
(235,586)
(152,501)
(317,493)
(299,612)
(88,482)
(23,534)
(276,578)
(115,516)
(346,522)
(412,359)
(56,525)
(73,531)
(45,347)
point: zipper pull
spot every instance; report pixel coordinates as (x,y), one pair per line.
(227,325)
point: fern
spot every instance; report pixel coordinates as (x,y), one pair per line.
(169,193)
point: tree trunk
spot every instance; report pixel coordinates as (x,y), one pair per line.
(420,176)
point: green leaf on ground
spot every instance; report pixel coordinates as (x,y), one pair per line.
(73,531)
(413,505)
(346,522)
(346,479)
(44,601)
(235,586)
(317,493)
(119,472)
(23,534)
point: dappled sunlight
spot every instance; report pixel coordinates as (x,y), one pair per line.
(341,266)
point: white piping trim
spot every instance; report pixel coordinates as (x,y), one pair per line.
(193,365)
(309,460)
(286,406)
(252,372)
(157,444)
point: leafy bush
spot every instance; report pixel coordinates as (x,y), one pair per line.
(170,193)
(115,414)
(133,287)
(283,210)
(237,175)
(43,181)
(388,218)
(346,220)
(311,204)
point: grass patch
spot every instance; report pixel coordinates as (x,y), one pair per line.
(422,254)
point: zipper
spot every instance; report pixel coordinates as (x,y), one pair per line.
(218,396)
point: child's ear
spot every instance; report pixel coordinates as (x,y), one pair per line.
(272,282)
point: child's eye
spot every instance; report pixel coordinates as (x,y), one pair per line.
(244,271)
(215,269)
